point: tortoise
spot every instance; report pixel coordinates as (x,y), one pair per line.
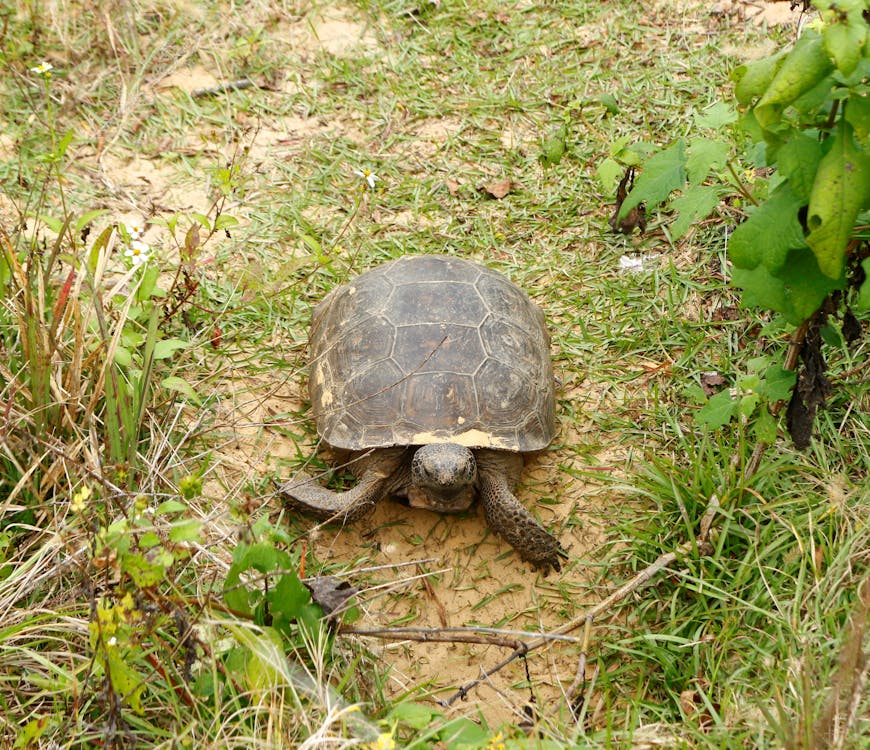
(431,375)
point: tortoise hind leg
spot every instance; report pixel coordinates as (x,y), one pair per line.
(498,473)
(377,476)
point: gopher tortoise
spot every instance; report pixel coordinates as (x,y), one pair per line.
(431,375)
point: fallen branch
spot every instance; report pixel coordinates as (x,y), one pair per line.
(702,545)
(487,636)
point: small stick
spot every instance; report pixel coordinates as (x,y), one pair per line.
(222,88)
(499,636)
(586,618)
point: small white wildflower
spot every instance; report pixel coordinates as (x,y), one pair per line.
(112,642)
(135,229)
(368,176)
(138,252)
(43,69)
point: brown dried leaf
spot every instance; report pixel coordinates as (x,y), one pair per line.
(636,218)
(452,186)
(712,383)
(498,189)
(329,592)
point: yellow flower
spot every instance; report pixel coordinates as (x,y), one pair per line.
(80,498)
(126,608)
(496,742)
(384,741)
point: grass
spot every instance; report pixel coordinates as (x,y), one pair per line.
(172,397)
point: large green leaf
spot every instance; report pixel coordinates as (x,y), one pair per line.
(705,155)
(768,235)
(840,191)
(798,160)
(858,116)
(796,291)
(802,69)
(753,78)
(696,202)
(846,34)
(662,173)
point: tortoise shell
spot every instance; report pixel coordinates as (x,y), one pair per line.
(429,349)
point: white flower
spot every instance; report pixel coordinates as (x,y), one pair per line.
(112,642)
(367,175)
(138,252)
(135,229)
(43,69)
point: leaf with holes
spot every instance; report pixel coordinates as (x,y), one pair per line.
(841,190)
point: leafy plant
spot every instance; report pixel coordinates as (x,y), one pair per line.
(804,126)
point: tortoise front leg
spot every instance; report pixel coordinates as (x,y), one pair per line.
(498,474)
(377,475)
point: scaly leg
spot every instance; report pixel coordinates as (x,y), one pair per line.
(378,474)
(498,474)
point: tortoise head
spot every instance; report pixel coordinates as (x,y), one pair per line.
(443,477)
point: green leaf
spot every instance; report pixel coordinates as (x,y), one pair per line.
(753,78)
(201,219)
(845,38)
(796,291)
(778,383)
(716,117)
(180,385)
(87,217)
(764,427)
(747,404)
(798,160)
(771,231)
(123,357)
(718,410)
(171,506)
(125,680)
(186,530)
(148,540)
(64,143)
(609,172)
(802,69)
(662,173)
(553,147)
(462,732)
(224,220)
(840,191)
(148,282)
(695,203)
(147,571)
(857,114)
(312,244)
(608,101)
(55,225)
(165,348)
(862,301)
(288,597)
(32,731)
(414,715)
(705,155)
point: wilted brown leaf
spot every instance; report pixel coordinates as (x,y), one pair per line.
(636,218)
(712,383)
(498,189)
(329,592)
(452,186)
